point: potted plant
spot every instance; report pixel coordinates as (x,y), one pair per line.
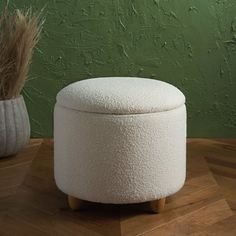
(19,33)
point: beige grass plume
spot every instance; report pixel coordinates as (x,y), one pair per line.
(19,33)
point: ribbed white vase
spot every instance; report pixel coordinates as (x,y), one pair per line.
(14,126)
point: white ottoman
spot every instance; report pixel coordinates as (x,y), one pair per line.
(120,140)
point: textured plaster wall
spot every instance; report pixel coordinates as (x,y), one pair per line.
(189,43)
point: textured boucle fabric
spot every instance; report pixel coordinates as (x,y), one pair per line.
(121,95)
(111,158)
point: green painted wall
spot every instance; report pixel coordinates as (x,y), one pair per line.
(189,43)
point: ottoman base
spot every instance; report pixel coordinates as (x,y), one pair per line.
(156,206)
(119,159)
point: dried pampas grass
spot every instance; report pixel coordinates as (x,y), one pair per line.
(19,33)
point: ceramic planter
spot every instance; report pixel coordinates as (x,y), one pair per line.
(14,126)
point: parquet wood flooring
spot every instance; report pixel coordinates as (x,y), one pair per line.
(201,207)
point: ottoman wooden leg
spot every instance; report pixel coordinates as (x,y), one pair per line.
(158,205)
(75,203)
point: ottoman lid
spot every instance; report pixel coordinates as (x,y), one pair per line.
(120,95)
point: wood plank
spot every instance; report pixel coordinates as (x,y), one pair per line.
(14,169)
(228,188)
(194,221)
(222,170)
(11,226)
(225,227)
(221,159)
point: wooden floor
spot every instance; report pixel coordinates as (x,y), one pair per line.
(31,204)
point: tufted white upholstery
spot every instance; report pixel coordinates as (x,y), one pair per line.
(120,140)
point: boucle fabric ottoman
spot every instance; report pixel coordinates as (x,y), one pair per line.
(120,140)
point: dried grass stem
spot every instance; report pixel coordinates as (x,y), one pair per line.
(19,33)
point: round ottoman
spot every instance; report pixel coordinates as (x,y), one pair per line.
(120,140)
